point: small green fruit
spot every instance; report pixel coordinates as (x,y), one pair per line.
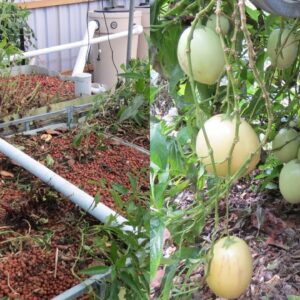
(289,138)
(224,23)
(289,180)
(289,51)
(207,55)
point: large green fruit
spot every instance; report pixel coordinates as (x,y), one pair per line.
(230,270)
(289,180)
(207,55)
(288,54)
(287,137)
(224,24)
(221,133)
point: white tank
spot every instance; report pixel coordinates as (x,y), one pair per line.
(107,57)
(143,48)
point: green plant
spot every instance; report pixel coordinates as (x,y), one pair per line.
(133,94)
(126,253)
(13,24)
(250,89)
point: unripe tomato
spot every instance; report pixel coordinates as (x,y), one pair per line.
(221,133)
(289,180)
(224,24)
(287,56)
(207,55)
(230,269)
(287,137)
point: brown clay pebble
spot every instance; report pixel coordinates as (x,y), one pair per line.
(30,265)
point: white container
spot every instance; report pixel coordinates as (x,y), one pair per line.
(107,57)
(143,48)
(97,88)
(83,84)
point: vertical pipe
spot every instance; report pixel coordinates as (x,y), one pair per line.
(84,50)
(130,26)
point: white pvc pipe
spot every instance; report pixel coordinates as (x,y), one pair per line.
(82,55)
(138,29)
(70,191)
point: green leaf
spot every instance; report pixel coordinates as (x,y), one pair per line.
(133,182)
(168,281)
(120,188)
(132,75)
(153,92)
(175,159)
(117,199)
(156,244)
(132,110)
(49,161)
(97,198)
(253,13)
(159,147)
(95,270)
(159,189)
(113,290)
(129,281)
(114,252)
(292,297)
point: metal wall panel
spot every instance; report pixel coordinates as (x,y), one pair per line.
(59,25)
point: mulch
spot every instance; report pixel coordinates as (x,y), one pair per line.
(19,94)
(36,222)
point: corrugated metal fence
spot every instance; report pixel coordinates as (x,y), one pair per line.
(62,24)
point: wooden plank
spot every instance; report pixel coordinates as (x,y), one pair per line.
(47,3)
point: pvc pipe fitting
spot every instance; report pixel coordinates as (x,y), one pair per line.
(83,84)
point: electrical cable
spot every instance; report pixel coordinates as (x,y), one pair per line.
(109,42)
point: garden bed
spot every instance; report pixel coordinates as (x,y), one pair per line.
(21,93)
(37,225)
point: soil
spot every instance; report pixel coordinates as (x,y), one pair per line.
(20,93)
(32,229)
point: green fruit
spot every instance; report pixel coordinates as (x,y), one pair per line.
(289,180)
(224,24)
(207,55)
(288,54)
(221,133)
(230,270)
(287,137)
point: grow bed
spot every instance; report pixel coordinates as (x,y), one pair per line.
(20,93)
(37,224)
